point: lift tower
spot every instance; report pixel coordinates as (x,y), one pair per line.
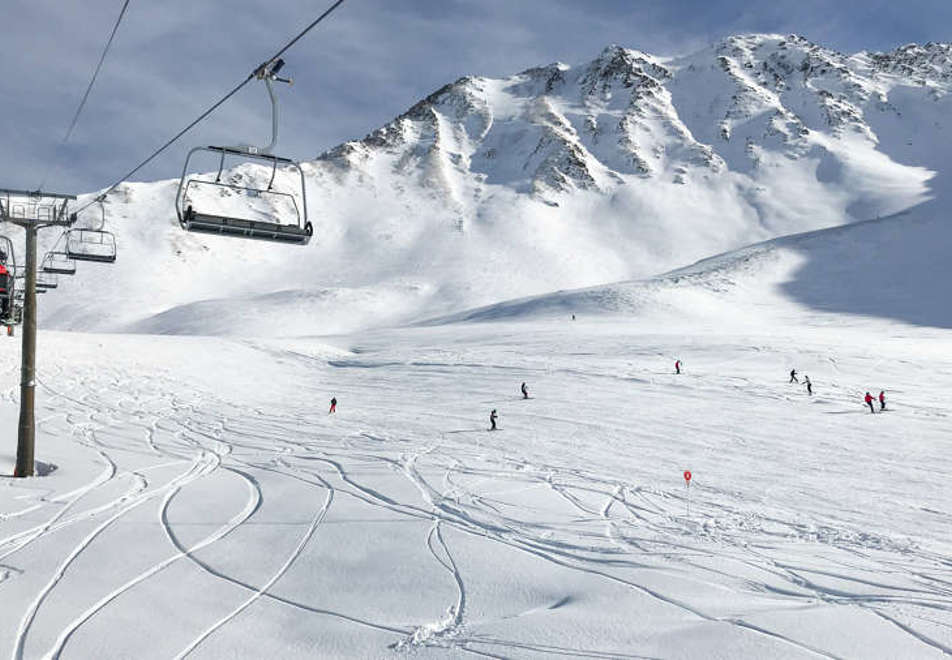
(33,211)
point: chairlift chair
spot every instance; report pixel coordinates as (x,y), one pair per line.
(94,245)
(280,218)
(46,280)
(91,243)
(58,262)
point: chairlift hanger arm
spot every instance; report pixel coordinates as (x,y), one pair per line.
(268,73)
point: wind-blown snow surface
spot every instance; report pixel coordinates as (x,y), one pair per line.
(557,177)
(203,502)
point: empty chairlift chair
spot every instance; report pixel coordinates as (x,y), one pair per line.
(90,244)
(238,205)
(58,262)
(46,281)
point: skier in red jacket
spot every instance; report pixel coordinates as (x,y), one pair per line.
(869,401)
(677,366)
(4,286)
(882,400)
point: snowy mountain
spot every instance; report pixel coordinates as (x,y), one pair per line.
(557,177)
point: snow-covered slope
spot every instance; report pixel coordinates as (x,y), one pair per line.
(557,177)
(205,504)
(892,268)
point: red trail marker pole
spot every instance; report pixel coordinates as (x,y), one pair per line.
(687,488)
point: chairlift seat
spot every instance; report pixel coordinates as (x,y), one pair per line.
(59,263)
(266,231)
(93,245)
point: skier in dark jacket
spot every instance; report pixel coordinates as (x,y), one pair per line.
(333,405)
(492,420)
(525,391)
(869,401)
(793,376)
(882,400)
(806,379)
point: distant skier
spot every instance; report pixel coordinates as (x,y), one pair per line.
(525,391)
(492,420)
(677,366)
(869,402)
(793,376)
(573,317)
(806,379)
(333,406)
(882,400)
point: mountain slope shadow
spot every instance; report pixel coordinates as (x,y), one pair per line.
(897,267)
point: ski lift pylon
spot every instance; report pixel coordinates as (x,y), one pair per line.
(279,218)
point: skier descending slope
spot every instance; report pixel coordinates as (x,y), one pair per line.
(882,400)
(806,379)
(492,420)
(869,402)
(793,376)
(677,366)
(333,405)
(525,391)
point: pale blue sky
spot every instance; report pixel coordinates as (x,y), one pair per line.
(365,65)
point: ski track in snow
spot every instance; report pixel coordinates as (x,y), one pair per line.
(530,489)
